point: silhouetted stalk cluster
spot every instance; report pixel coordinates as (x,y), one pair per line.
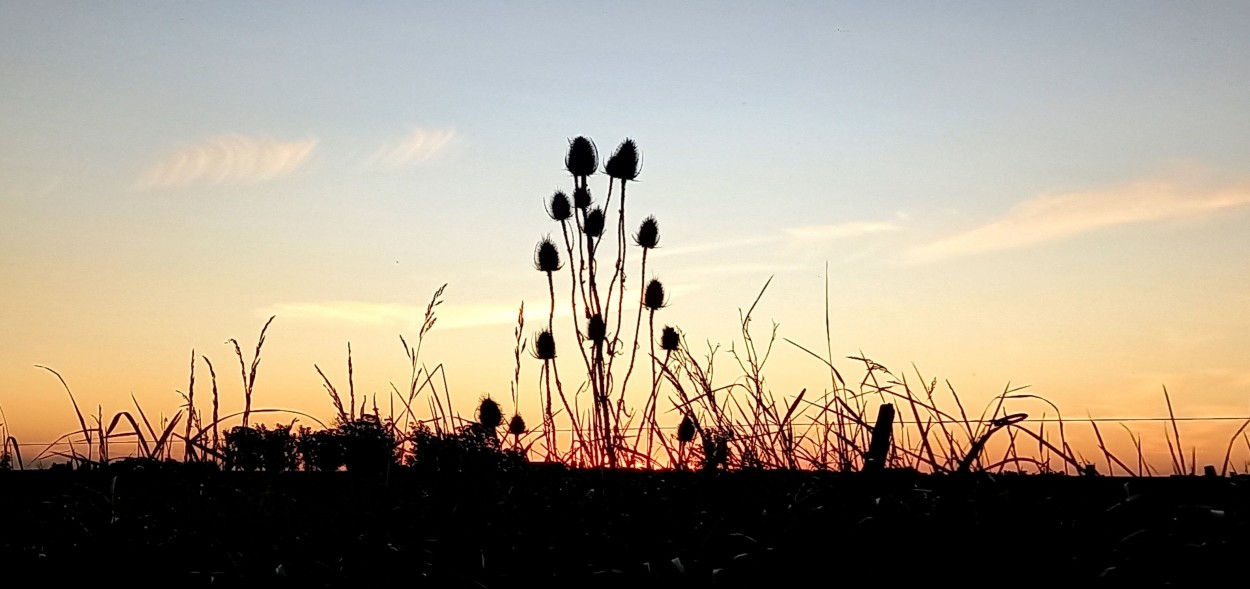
(598,300)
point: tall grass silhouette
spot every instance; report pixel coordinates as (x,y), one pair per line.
(685,415)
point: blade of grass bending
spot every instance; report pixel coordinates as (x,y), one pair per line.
(1175,431)
(921,430)
(143,443)
(1066,457)
(1228,454)
(15,450)
(1107,453)
(334,394)
(1176,467)
(159,444)
(81,421)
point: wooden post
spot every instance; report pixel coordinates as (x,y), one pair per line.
(879,446)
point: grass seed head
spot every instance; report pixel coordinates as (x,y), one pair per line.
(559,209)
(648,235)
(594,222)
(624,163)
(583,158)
(654,297)
(489,415)
(581,198)
(545,345)
(596,329)
(669,339)
(547,256)
(685,431)
(516,425)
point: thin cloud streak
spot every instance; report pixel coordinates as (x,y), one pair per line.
(233,159)
(418,146)
(448,316)
(821,233)
(1053,217)
(664,252)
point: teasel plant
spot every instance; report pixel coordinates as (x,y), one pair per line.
(670,343)
(597,296)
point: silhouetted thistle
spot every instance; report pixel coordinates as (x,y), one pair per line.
(559,209)
(648,235)
(545,345)
(596,329)
(547,256)
(581,198)
(594,222)
(669,339)
(653,298)
(488,415)
(583,157)
(685,431)
(516,425)
(624,163)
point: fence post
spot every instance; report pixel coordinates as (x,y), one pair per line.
(879,446)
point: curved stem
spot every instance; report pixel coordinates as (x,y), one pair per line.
(637,325)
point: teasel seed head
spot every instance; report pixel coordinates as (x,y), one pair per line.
(596,329)
(648,235)
(670,340)
(653,297)
(594,222)
(547,256)
(583,158)
(545,345)
(489,415)
(685,431)
(559,209)
(624,163)
(516,426)
(581,198)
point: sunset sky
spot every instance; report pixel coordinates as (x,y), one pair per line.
(1005,194)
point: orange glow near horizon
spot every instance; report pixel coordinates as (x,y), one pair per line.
(958,194)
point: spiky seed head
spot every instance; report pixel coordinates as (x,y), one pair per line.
(596,329)
(594,222)
(653,297)
(648,235)
(489,415)
(581,198)
(545,345)
(624,163)
(547,256)
(685,431)
(516,425)
(669,339)
(559,209)
(583,157)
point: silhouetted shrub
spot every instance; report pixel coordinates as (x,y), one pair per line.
(368,444)
(716,449)
(243,448)
(320,450)
(260,448)
(470,449)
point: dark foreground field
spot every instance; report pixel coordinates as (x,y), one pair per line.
(552,527)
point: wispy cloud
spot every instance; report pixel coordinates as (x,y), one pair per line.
(449,316)
(416,147)
(823,233)
(1052,217)
(227,159)
(717,246)
(804,236)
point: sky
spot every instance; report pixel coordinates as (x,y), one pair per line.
(1043,194)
